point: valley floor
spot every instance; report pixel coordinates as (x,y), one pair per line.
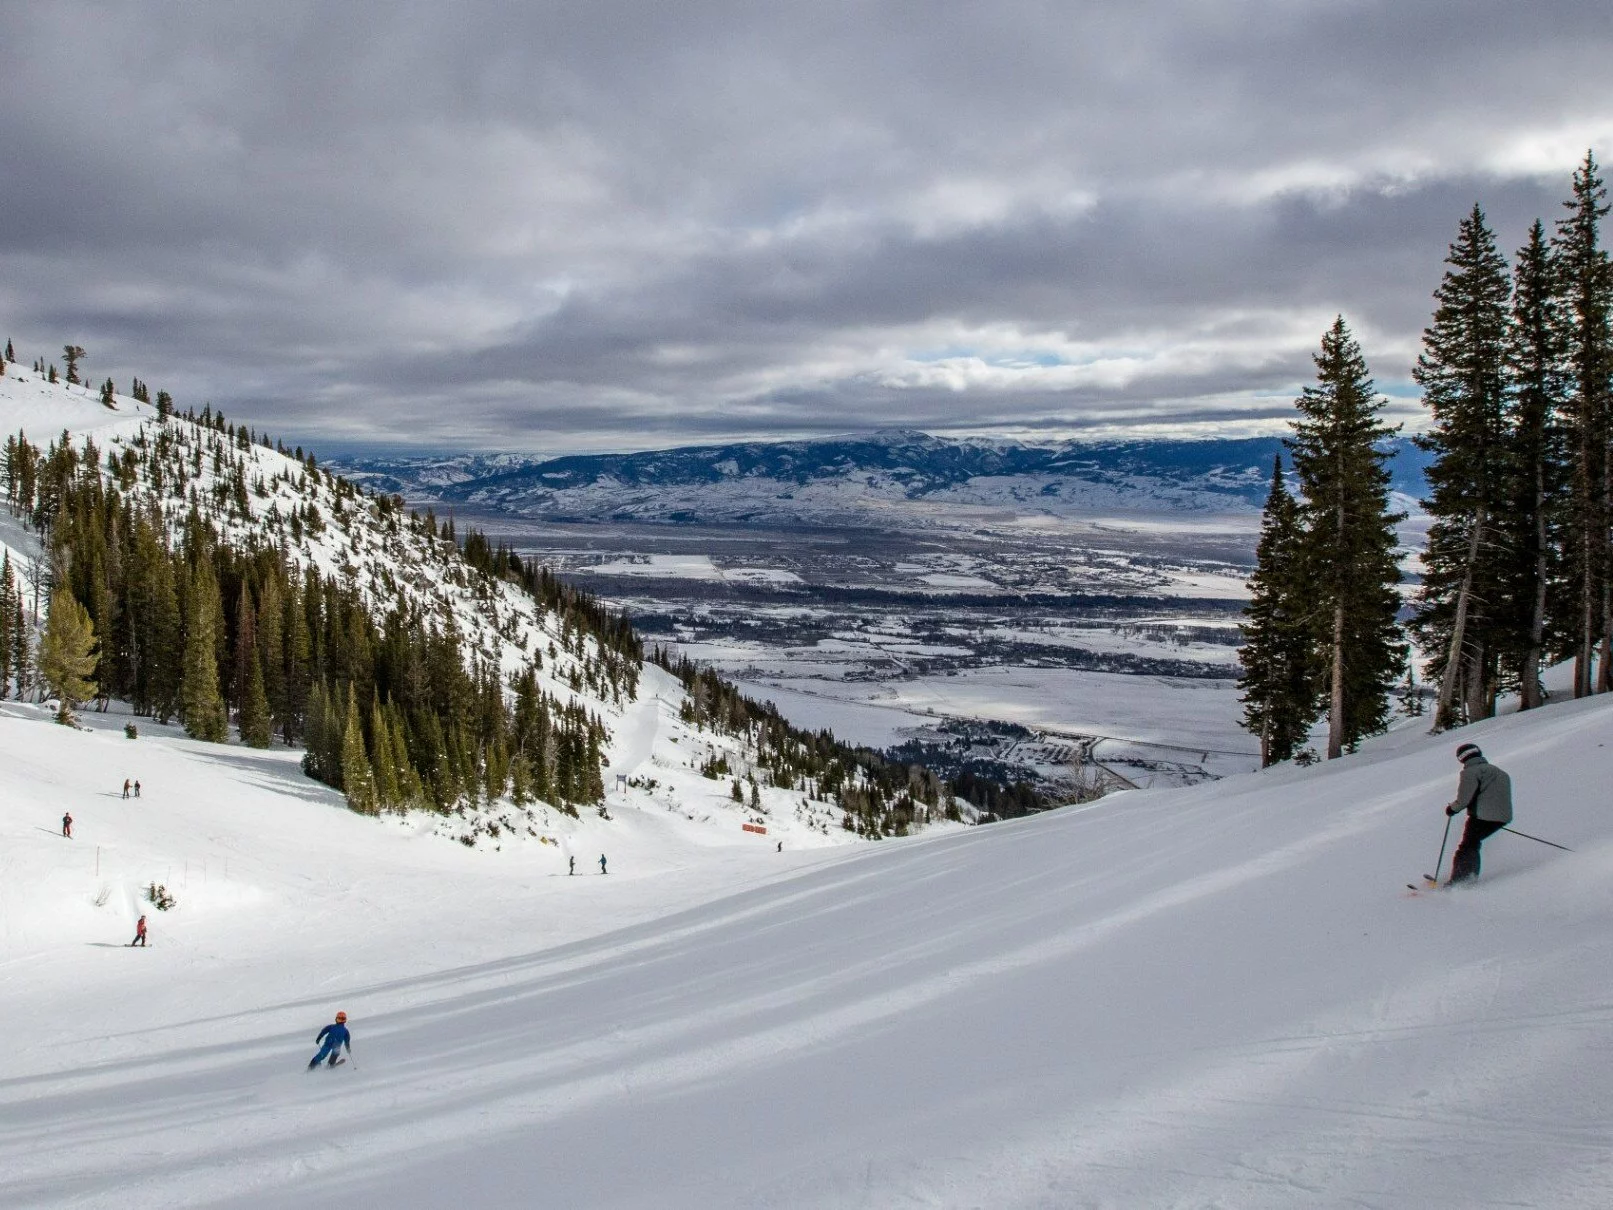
(1214,996)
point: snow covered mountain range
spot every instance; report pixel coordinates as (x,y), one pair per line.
(836,479)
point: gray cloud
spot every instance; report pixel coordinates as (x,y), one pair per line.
(540,226)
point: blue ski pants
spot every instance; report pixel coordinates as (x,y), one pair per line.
(328,1051)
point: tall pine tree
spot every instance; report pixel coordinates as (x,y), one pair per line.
(257,727)
(1462,371)
(1278,678)
(1585,293)
(1348,543)
(67,655)
(200,702)
(358,778)
(1535,479)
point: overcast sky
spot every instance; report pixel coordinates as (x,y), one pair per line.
(542,226)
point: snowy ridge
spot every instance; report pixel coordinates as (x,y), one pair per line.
(913,475)
(1213,996)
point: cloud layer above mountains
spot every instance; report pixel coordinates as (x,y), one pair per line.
(537,226)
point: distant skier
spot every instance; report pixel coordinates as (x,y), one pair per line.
(331,1040)
(67,825)
(139,933)
(602,863)
(781,846)
(126,787)
(1485,793)
(137,787)
(571,863)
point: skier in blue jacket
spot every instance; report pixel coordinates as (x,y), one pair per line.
(331,1040)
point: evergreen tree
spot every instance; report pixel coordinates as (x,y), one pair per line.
(72,355)
(388,794)
(257,727)
(21,649)
(495,769)
(165,406)
(1585,292)
(1278,657)
(246,647)
(108,394)
(8,609)
(1462,371)
(1535,481)
(298,665)
(520,779)
(1348,544)
(272,649)
(411,791)
(358,778)
(164,633)
(314,737)
(201,705)
(67,655)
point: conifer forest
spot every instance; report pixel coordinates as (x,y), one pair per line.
(1516,374)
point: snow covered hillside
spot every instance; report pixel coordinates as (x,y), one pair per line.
(1214,996)
(250,493)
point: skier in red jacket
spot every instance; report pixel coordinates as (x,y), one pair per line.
(139,933)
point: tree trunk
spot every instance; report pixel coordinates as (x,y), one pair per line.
(1477,683)
(1335,713)
(1531,690)
(1604,672)
(1587,620)
(1444,712)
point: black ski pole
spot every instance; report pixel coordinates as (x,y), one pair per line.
(1537,839)
(1434,877)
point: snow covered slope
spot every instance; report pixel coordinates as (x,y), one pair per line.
(351,539)
(1215,996)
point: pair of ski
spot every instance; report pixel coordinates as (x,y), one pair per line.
(1430,883)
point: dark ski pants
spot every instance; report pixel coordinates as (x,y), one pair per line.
(1465,864)
(139,939)
(326,1051)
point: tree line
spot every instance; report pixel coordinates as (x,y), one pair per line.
(1516,370)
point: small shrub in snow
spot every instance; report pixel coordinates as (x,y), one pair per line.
(157,895)
(130,731)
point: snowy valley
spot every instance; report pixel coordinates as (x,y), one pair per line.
(1064,613)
